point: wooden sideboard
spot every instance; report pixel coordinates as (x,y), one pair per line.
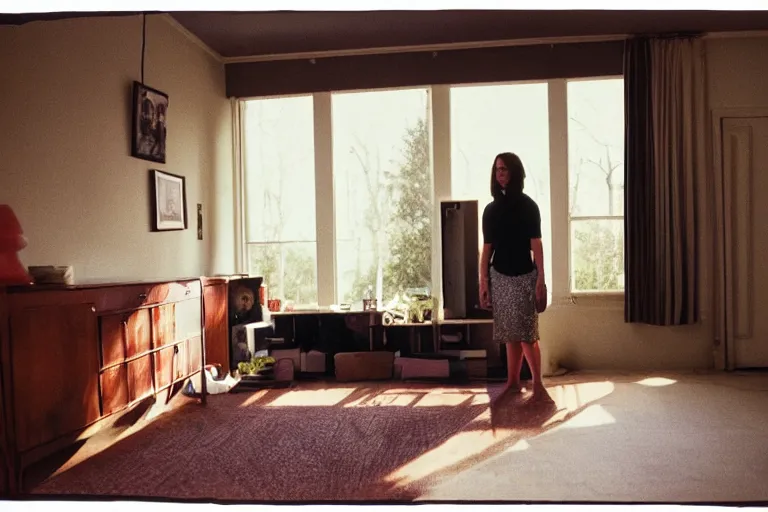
(73,356)
(215,299)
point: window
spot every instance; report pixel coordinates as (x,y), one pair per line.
(488,120)
(596,182)
(383,183)
(382,193)
(279,182)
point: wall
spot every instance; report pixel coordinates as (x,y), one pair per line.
(591,334)
(737,72)
(66,169)
(65,164)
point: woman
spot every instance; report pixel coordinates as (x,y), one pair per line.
(510,280)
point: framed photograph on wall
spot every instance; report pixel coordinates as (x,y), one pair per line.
(150,113)
(169,201)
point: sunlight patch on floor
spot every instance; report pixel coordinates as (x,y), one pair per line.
(312,397)
(460,447)
(572,397)
(519,446)
(592,416)
(442,400)
(255,397)
(422,398)
(656,382)
(436,391)
(384,400)
(478,436)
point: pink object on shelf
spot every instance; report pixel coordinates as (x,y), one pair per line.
(263,294)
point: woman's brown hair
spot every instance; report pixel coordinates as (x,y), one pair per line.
(516,175)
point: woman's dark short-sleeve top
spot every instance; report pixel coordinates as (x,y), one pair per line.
(509,224)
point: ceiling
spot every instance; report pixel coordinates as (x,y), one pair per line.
(249,34)
(240,34)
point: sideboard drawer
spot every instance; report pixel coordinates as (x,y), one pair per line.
(121,298)
(182,290)
(143,295)
(124,335)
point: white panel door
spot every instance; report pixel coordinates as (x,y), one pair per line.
(745,169)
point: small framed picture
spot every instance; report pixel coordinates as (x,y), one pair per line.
(169,201)
(150,113)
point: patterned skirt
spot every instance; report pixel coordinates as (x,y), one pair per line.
(513,299)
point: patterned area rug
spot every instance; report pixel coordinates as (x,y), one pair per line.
(315,442)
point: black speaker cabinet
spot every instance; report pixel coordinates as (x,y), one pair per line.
(459,228)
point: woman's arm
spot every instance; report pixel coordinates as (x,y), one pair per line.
(534,232)
(485,255)
(538,256)
(485,262)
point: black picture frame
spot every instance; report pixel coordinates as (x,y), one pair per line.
(150,123)
(168,201)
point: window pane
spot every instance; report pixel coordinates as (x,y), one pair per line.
(596,147)
(489,120)
(289,270)
(383,192)
(279,161)
(597,255)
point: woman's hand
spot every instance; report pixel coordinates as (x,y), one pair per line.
(485,296)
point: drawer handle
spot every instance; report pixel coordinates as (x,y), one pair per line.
(142,296)
(187,292)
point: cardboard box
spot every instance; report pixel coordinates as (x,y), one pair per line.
(313,361)
(352,366)
(420,368)
(293,354)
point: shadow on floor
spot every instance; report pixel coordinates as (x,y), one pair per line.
(396,441)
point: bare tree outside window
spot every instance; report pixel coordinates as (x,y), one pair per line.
(278,147)
(491,119)
(383,193)
(596,177)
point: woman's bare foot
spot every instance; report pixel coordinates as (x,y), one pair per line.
(540,393)
(512,388)
(508,391)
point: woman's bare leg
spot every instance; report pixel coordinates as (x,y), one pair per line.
(514,365)
(533,355)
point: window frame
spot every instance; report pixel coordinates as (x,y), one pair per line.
(331,177)
(573,292)
(241,178)
(439,100)
(553,154)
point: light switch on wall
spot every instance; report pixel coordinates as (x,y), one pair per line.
(199,221)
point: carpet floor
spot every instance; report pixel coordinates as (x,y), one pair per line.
(396,441)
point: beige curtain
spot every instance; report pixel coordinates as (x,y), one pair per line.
(665,120)
(238,200)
